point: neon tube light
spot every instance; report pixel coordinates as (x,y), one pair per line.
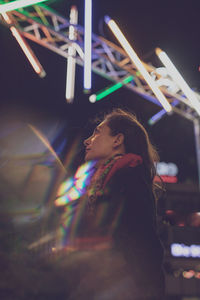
(96,97)
(160,114)
(28,52)
(88,46)
(157,117)
(18,4)
(6,18)
(26,49)
(71,60)
(137,62)
(174,73)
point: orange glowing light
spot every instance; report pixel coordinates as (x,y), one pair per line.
(197,275)
(188,274)
(169,212)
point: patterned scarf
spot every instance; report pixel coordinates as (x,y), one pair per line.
(105,172)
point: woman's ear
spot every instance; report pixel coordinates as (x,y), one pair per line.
(119,140)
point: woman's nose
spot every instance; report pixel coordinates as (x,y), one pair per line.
(86,142)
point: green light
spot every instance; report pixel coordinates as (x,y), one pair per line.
(17,4)
(41,15)
(113,88)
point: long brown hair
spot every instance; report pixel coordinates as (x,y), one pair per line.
(136,139)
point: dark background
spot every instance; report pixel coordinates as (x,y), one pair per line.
(25,98)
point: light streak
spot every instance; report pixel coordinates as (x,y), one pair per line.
(43,240)
(6,18)
(138,63)
(160,114)
(174,73)
(88,46)
(157,117)
(28,52)
(71,60)
(47,144)
(18,4)
(96,97)
(25,47)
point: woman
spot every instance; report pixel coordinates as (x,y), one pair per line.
(118,253)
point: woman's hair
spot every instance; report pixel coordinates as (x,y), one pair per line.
(136,139)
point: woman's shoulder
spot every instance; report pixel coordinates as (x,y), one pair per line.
(131,182)
(130,174)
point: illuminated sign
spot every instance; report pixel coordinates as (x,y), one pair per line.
(182,250)
(167,171)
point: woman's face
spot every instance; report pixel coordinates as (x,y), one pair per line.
(100,145)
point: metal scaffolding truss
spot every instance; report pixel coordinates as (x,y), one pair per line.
(46,27)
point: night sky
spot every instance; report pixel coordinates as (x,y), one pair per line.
(27,99)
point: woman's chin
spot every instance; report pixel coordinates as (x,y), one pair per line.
(87,157)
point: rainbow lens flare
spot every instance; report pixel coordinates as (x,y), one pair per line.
(73,188)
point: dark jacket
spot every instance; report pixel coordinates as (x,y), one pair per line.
(118,253)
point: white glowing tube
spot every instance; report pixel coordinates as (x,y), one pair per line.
(71,60)
(24,46)
(28,52)
(88,46)
(6,18)
(70,76)
(174,73)
(17,4)
(138,63)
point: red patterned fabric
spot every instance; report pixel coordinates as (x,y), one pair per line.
(127,160)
